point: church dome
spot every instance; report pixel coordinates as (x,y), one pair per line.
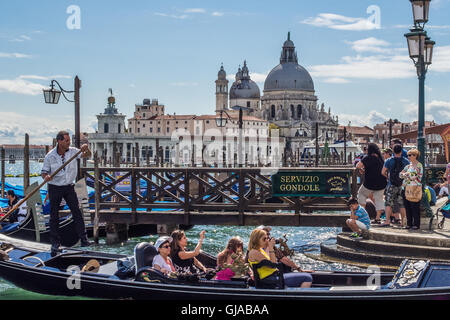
(244,87)
(289,75)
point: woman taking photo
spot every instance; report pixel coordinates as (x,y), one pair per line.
(412,180)
(234,246)
(258,241)
(185,261)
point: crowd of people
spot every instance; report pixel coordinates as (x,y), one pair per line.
(392,179)
(174,257)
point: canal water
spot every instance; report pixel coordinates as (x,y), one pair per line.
(301,239)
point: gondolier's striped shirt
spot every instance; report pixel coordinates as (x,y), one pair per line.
(53,161)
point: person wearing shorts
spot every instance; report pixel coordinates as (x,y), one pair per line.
(374,182)
(359,219)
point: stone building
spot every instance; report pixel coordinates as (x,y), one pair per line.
(288,101)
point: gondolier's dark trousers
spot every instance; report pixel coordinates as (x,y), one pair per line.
(56,193)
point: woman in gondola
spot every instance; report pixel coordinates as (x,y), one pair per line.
(185,261)
(235,246)
(258,241)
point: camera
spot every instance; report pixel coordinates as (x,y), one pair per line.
(277,241)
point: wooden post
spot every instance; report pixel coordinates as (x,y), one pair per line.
(345,145)
(241,185)
(97,197)
(26,163)
(317,144)
(3,171)
(187,216)
(137,154)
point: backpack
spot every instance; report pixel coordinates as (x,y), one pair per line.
(394,175)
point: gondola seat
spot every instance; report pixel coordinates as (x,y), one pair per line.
(144,253)
(266,283)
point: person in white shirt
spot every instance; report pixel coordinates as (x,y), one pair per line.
(62,186)
(162,261)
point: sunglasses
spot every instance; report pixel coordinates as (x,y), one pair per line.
(165,247)
(411,155)
(265,238)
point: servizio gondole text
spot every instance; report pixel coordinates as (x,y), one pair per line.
(299,183)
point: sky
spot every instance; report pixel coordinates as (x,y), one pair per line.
(355,51)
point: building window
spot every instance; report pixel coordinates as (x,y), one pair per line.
(119,128)
(106,127)
(299,111)
(151,129)
(272,111)
(248,104)
(159,129)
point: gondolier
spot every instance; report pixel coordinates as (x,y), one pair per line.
(62,186)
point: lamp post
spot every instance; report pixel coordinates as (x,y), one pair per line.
(421,52)
(52,96)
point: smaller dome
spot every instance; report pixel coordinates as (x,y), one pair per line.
(244,89)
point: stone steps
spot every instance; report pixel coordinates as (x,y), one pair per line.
(395,248)
(389,235)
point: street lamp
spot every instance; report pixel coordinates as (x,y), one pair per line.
(421,53)
(52,96)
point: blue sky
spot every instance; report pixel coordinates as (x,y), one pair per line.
(172,51)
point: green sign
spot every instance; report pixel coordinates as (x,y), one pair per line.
(311,184)
(435,174)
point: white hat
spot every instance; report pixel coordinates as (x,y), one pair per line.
(161,240)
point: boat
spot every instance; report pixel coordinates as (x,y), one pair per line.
(76,272)
(26,230)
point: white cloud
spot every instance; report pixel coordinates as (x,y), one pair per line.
(339,22)
(217,14)
(441,59)
(174,16)
(42,129)
(14,55)
(370,45)
(36,77)
(21,86)
(21,38)
(195,10)
(361,120)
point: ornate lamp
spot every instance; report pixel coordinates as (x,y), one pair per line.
(420,9)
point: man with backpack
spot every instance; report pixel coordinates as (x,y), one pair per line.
(391,170)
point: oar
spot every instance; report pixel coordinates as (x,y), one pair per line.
(18,204)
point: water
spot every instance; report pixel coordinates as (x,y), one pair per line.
(301,239)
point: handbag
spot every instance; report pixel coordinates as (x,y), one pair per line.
(413,193)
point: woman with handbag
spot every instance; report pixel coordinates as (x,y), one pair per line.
(412,189)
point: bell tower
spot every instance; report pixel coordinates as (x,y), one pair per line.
(221,90)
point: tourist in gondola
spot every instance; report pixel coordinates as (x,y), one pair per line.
(62,186)
(185,261)
(374,182)
(235,246)
(162,261)
(288,264)
(20,213)
(412,180)
(258,241)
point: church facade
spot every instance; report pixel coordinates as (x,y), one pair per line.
(288,101)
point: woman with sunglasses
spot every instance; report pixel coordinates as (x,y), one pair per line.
(185,261)
(258,241)
(412,176)
(162,261)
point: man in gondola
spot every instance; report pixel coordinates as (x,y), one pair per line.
(62,186)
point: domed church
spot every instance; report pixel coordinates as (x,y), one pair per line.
(288,100)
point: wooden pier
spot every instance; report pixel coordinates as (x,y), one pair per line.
(210,196)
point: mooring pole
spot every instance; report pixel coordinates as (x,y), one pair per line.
(26,163)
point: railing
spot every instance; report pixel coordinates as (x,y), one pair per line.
(204,189)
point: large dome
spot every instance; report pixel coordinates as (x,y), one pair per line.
(289,76)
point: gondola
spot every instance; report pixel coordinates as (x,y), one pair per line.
(29,266)
(26,230)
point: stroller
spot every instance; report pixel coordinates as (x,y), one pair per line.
(445,210)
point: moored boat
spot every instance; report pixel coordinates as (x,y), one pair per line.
(29,266)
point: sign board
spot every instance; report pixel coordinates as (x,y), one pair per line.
(434,175)
(311,184)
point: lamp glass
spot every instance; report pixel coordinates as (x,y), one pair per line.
(52,96)
(420,11)
(416,43)
(221,122)
(429,45)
